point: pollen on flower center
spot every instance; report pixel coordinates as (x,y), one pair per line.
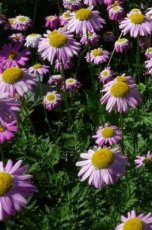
(121,78)
(137,18)
(51,97)
(12,75)
(102,158)
(121,40)
(107,132)
(37,66)
(148,160)
(56,39)
(83,14)
(120,89)
(116,8)
(134,224)
(33,35)
(97,52)
(6,183)
(1,128)
(12,55)
(105,73)
(22,19)
(70,81)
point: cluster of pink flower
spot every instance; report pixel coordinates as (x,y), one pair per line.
(105,164)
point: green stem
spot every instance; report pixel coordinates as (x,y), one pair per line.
(121,126)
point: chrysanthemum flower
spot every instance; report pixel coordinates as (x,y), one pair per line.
(143,160)
(148,52)
(106,75)
(52,22)
(120,94)
(90,38)
(16,185)
(59,65)
(38,69)
(121,45)
(64,18)
(12,55)
(97,56)
(55,80)
(136,23)
(72,84)
(93,2)
(16,81)
(135,222)
(9,107)
(11,22)
(18,37)
(148,65)
(116,11)
(58,45)
(52,100)
(32,40)
(102,166)
(72,4)
(85,20)
(107,135)
(7,130)
(21,23)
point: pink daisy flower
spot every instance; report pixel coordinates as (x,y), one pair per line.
(116,11)
(38,69)
(58,45)
(52,22)
(9,107)
(136,23)
(64,18)
(16,81)
(32,40)
(90,38)
(97,56)
(102,166)
(52,100)
(93,2)
(59,65)
(7,130)
(108,2)
(21,23)
(85,20)
(72,84)
(135,222)
(107,135)
(120,94)
(148,65)
(72,4)
(121,45)
(143,160)
(16,185)
(18,37)
(55,80)
(148,52)
(12,55)
(106,75)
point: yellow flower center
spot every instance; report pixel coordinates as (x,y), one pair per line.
(120,89)
(11,21)
(134,224)
(51,97)
(66,15)
(121,78)
(6,183)
(105,73)
(70,81)
(148,160)
(51,18)
(12,75)
(37,66)
(56,39)
(97,52)
(121,40)
(33,35)
(116,8)
(102,158)
(108,132)
(1,128)
(137,18)
(83,14)
(149,50)
(12,55)
(22,19)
